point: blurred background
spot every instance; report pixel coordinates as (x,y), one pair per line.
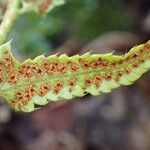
(116,121)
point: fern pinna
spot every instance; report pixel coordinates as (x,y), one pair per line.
(54,78)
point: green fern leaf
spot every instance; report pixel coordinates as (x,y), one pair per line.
(36,82)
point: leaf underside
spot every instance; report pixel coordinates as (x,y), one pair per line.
(36,82)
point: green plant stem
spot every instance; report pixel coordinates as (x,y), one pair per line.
(9,20)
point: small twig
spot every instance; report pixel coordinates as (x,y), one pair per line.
(9,20)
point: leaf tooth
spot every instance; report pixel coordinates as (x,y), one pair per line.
(52,57)
(108,55)
(5,48)
(96,56)
(86,55)
(124,80)
(143,68)
(138,71)
(51,96)
(38,100)
(146,65)
(29,107)
(65,94)
(63,57)
(74,58)
(39,59)
(133,76)
(104,87)
(92,90)
(112,84)
(78,91)
(28,61)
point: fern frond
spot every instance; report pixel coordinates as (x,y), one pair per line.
(40,6)
(55,77)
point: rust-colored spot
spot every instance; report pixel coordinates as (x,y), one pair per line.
(135,56)
(97,84)
(127,58)
(88,82)
(7,57)
(108,76)
(44,90)
(1,78)
(141,61)
(69,62)
(74,67)
(7,61)
(39,72)
(33,67)
(112,64)
(20,96)
(62,68)
(57,87)
(72,82)
(13,101)
(135,65)
(28,96)
(46,64)
(1,67)
(31,90)
(12,78)
(52,68)
(127,70)
(25,97)
(26,75)
(97,80)
(25,70)
(22,67)
(84,64)
(20,101)
(104,63)
(23,103)
(118,76)
(141,50)
(146,46)
(94,64)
